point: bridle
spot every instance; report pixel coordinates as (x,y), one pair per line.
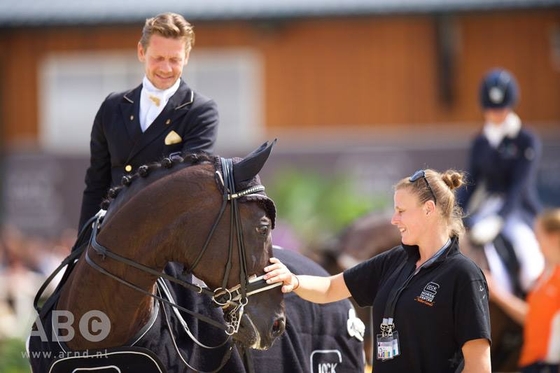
(232,300)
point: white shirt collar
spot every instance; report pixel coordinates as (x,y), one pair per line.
(153,100)
(163,95)
(495,133)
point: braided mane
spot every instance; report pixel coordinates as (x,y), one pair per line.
(168,163)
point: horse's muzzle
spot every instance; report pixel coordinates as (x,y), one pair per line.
(260,337)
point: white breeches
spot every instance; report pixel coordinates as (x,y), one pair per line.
(525,245)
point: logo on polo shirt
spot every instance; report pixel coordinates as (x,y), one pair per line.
(428,294)
(325,361)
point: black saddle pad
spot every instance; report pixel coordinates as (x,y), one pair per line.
(116,360)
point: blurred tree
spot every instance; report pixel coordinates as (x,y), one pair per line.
(13,357)
(318,207)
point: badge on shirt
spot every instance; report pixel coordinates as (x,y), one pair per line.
(388,346)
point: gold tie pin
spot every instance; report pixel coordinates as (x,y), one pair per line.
(155,100)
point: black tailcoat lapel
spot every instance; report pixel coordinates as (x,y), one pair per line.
(176,108)
(130,109)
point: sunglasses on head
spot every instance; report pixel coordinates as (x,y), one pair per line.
(421,174)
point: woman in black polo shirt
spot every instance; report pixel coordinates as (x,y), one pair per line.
(430,302)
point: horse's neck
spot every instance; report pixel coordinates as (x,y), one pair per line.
(89,290)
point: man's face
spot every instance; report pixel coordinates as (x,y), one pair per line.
(163,59)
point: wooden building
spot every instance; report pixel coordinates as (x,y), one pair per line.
(362,67)
(376,88)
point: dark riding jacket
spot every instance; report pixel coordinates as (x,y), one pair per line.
(510,170)
(118,146)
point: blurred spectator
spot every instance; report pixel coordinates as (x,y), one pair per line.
(25,262)
(540,314)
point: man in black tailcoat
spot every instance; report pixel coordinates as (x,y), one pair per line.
(160,117)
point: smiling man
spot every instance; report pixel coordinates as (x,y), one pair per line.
(161,117)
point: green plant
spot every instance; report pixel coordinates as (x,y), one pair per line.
(13,356)
(318,207)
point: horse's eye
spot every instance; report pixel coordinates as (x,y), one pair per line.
(263,230)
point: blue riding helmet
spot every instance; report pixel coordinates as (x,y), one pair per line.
(499,90)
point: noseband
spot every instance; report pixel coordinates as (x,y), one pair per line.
(232,300)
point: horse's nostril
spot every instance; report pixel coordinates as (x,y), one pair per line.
(278,327)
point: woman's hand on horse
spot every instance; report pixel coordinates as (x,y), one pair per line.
(278,272)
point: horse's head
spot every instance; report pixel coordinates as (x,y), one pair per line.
(215,218)
(250,305)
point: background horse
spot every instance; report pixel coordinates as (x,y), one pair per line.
(373,234)
(181,215)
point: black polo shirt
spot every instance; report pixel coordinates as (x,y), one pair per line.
(442,307)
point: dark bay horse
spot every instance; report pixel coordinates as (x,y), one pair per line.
(372,234)
(190,215)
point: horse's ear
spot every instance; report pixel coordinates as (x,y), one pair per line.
(252,164)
